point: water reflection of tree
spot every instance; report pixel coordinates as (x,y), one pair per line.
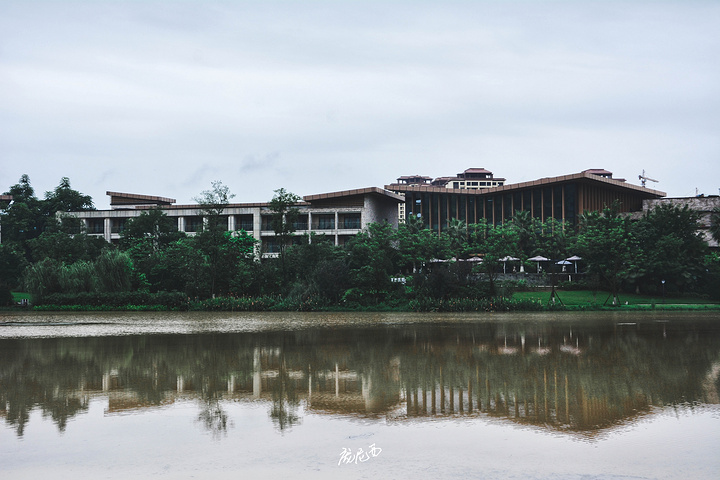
(284,399)
(213,417)
(556,374)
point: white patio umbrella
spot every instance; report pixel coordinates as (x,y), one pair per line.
(538,259)
(564,263)
(508,259)
(574,259)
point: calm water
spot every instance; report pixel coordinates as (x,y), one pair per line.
(290,395)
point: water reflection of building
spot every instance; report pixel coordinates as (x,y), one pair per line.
(551,376)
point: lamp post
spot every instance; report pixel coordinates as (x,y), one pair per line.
(663,289)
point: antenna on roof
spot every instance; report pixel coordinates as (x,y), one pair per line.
(643,179)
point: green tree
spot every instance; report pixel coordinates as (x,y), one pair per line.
(22,219)
(180,267)
(65,240)
(417,245)
(12,264)
(318,268)
(523,223)
(65,199)
(148,239)
(26,218)
(228,260)
(372,258)
(114,270)
(213,240)
(457,237)
(670,248)
(607,245)
(42,278)
(284,215)
(492,243)
(213,203)
(152,227)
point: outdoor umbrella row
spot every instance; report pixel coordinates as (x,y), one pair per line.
(568,261)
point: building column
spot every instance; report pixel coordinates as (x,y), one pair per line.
(337,227)
(257,224)
(107,229)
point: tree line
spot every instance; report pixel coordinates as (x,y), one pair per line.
(49,254)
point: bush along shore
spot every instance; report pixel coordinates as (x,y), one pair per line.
(176,301)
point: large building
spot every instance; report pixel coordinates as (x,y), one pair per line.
(337,215)
(341,215)
(563,198)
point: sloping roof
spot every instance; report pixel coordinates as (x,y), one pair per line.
(585,176)
(118,198)
(307,200)
(598,171)
(358,191)
(476,170)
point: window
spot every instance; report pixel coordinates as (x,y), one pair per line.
(118,225)
(351,221)
(193,224)
(325,222)
(271,245)
(244,222)
(96,225)
(301,222)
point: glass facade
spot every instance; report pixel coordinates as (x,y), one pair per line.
(437,209)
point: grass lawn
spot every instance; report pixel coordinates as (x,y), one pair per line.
(585,297)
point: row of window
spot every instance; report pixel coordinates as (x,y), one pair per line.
(476,184)
(272,244)
(346,221)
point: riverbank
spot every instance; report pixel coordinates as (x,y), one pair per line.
(528,301)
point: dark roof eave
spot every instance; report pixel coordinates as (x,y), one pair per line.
(143,198)
(582,176)
(351,193)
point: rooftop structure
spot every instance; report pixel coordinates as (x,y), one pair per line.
(414,180)
(563,198)
(472,178)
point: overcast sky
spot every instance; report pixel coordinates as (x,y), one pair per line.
(162,98)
